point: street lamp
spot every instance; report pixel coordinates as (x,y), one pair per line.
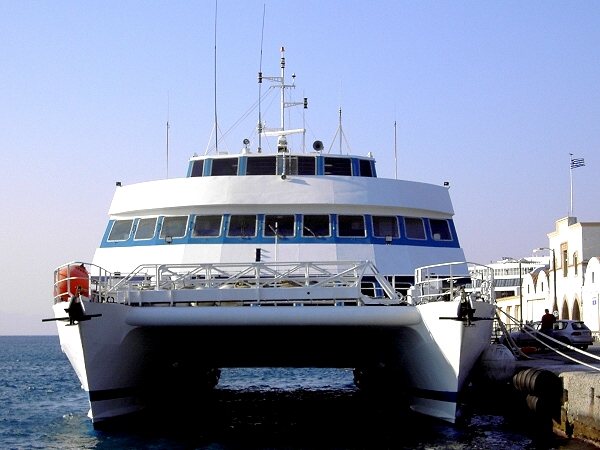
(553,270)
(520,261)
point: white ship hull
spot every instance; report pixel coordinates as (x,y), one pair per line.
(126,356)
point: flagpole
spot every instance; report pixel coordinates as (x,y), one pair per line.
(571,183)
(574,164)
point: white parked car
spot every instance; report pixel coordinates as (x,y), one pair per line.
(571,332)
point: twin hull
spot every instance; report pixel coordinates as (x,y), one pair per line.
(126,357)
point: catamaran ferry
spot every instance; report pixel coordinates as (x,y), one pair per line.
(290,259)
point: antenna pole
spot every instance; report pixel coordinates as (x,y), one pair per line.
(167,148)
(262,34)
(395,153)
(168,114)
(215,69)
(340,126)
(282,89)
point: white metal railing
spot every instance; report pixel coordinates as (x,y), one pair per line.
(234,282)
(444,282)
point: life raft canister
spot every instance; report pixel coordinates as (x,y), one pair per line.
(69,278)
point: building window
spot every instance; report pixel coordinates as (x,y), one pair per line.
(575,263)
(565,259)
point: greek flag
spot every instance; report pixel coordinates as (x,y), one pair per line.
(577,162)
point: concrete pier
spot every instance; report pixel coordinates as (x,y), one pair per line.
(562,390)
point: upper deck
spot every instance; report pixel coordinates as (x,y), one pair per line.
(282,164)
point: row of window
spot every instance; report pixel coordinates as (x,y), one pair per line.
(282,164)
(283,226)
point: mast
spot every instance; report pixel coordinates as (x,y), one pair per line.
(215,89)
(395,153)
(340,127)
(282,112)
(167,148)
(282,132)
(260,132)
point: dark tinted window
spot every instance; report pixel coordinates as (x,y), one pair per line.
(207,226)
(351,226)
(316,225)
(338,166)
(414,228)
(242,225)
(226,166)
(306,165)
(385,226)
(145,228)
(366,169)
(197,168)
(296,165)
(440,231)
(261,165)
(282,225)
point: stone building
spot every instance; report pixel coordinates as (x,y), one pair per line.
(569,284)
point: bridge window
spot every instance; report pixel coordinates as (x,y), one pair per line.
(440,231)
(316,225)
(242,225)
(207,226)
(173,227)
(385,226)
(351,226)
(261,165)
(366,170)
(224,166)
(280,225)
(197,168)
(145,228)
(338,166)
(414,228)
(306,165)
(121,230)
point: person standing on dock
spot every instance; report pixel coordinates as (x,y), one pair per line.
(547,322)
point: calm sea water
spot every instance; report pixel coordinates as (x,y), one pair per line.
(43,407)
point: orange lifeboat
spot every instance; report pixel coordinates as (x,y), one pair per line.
(68,279)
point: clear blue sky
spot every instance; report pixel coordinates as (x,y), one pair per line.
(491,96)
